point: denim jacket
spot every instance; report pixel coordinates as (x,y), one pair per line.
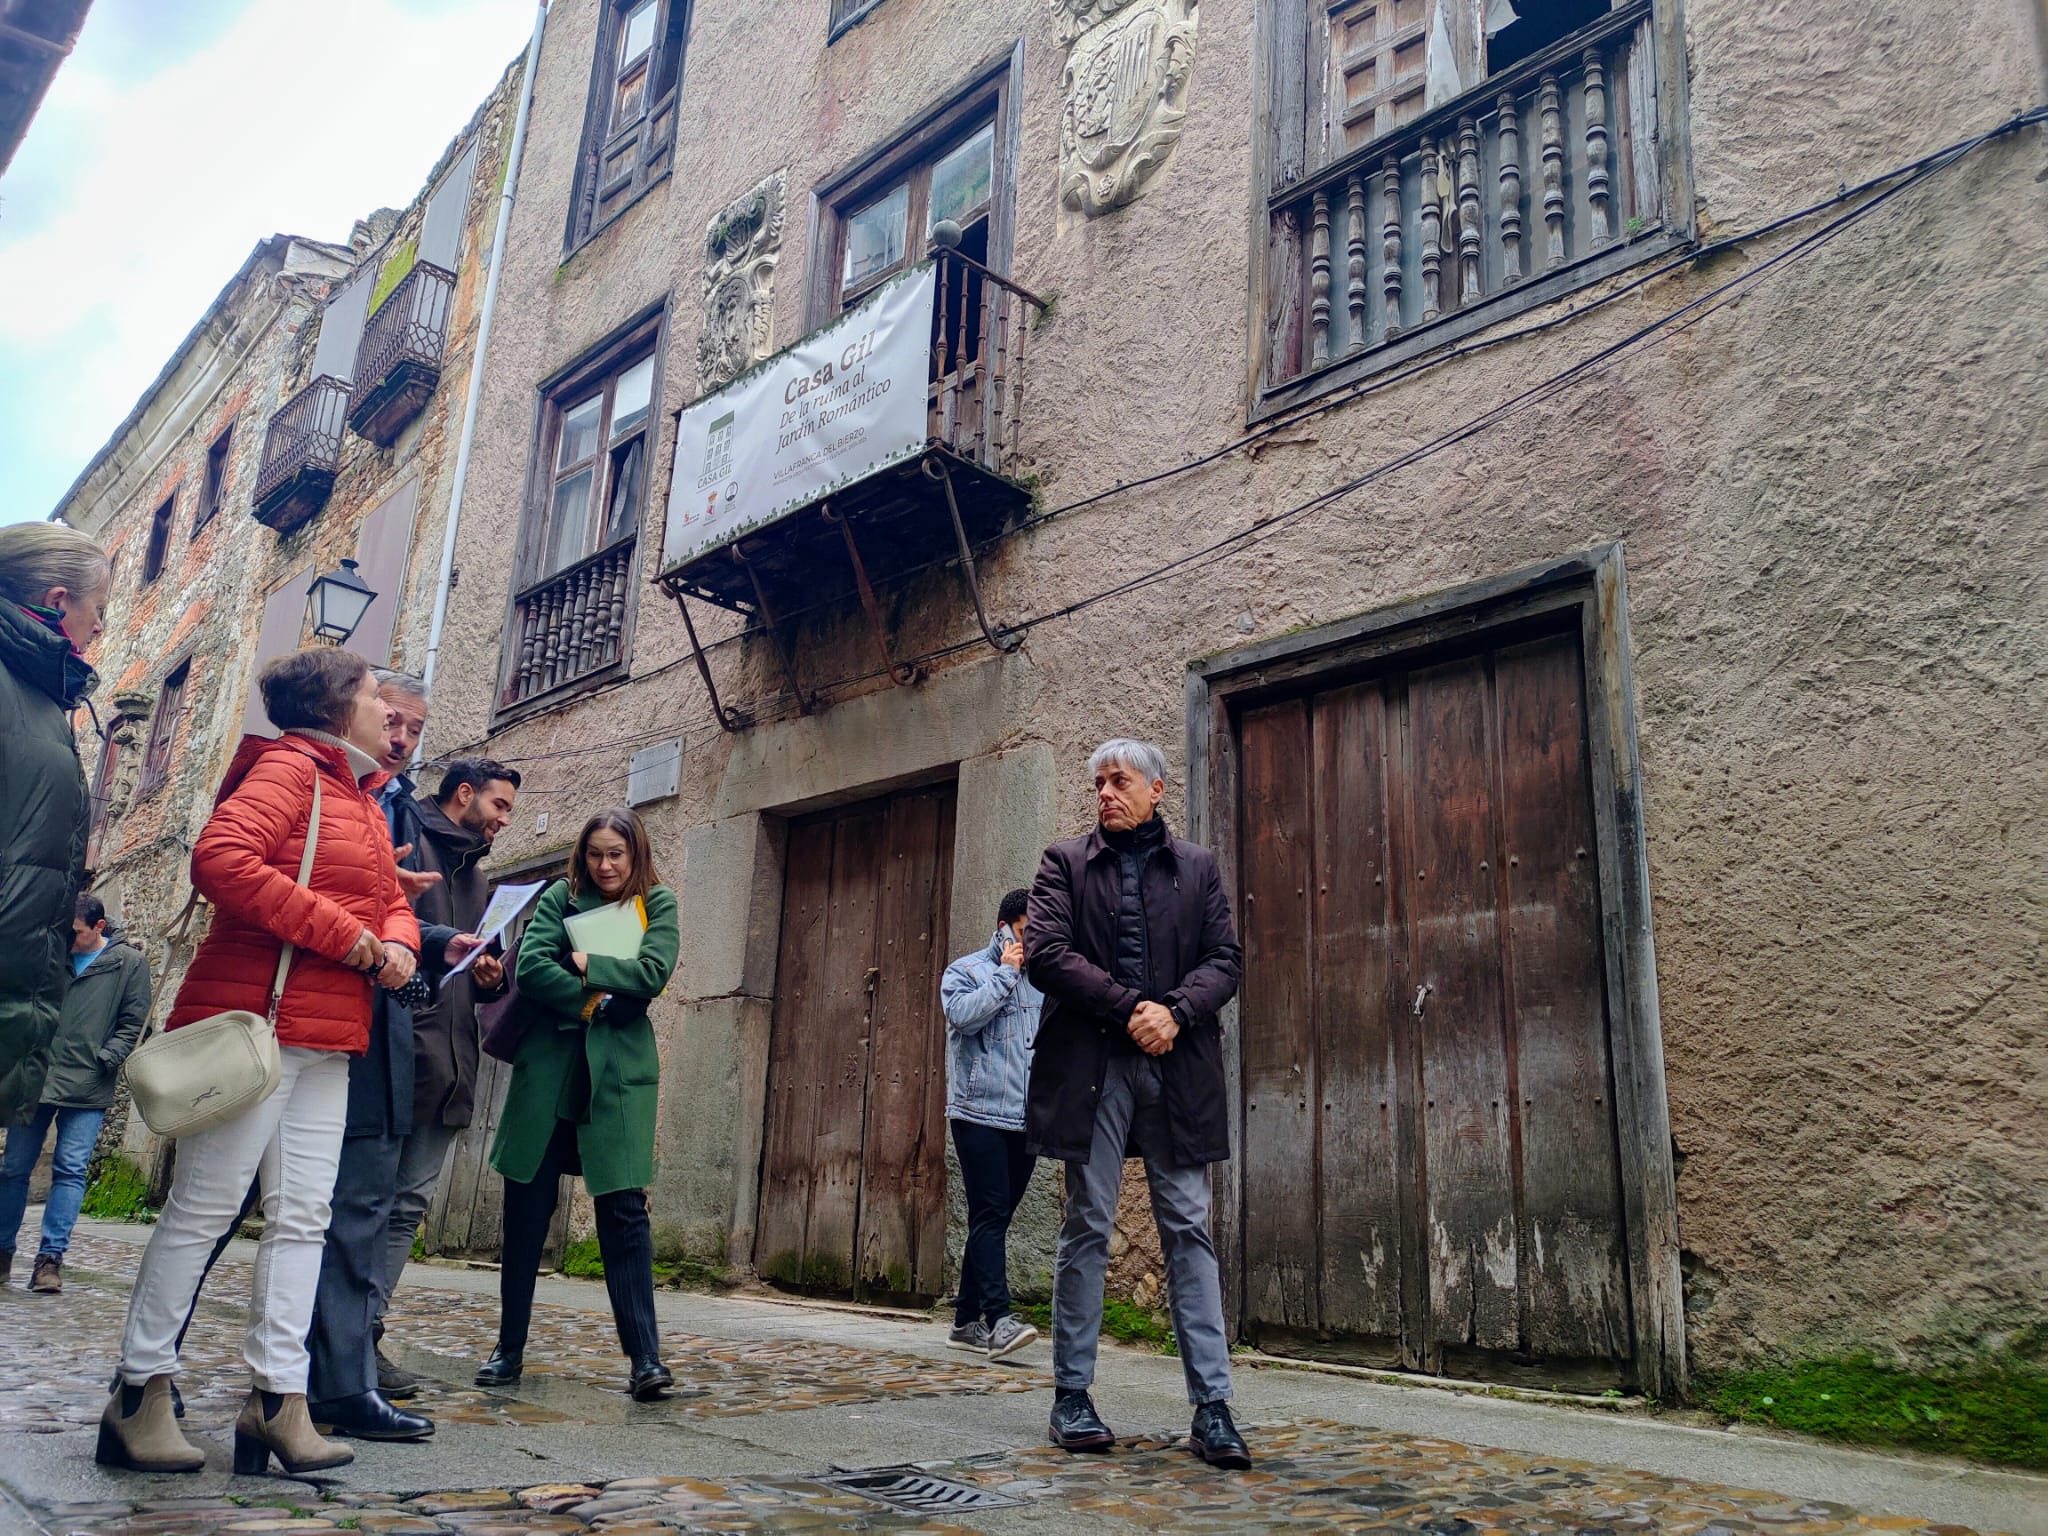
(991,1023)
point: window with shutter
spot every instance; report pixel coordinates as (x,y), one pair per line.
(630,124)
(163,729)
(214,491)
(159,540)
(571,617)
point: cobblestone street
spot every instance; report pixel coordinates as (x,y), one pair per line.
(818,1419)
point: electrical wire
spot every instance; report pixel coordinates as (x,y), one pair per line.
(1877,191)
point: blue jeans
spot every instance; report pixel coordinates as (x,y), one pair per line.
(78,1132)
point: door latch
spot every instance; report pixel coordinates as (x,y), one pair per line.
(1421,992)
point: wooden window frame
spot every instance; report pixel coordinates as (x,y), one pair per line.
(1291,54)
(646,334)
(162,741)
(213,488)
(105,775)
(665,62)
(1594,584)
(992,95)
(156,552)
(601,375)
(847,14)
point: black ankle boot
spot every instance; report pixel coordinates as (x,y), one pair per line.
(1076,1426)
(1215,1439)
(651,1381)
(503,1369)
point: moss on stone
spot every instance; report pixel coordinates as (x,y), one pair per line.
(398,261)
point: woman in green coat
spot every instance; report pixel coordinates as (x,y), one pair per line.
(582,1095)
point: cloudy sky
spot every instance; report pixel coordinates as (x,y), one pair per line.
(179,134)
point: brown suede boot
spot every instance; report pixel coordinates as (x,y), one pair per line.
(277,1424)
(139,1431)
(48,1275)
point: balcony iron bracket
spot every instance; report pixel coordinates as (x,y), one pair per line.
(1005,640)
(728,718)
(805,702)
(902,676)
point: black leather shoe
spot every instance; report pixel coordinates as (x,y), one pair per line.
(395,1382)
(1215,1439)
(503,1369)
(651,1381)
(367,1416)
(1076,1426)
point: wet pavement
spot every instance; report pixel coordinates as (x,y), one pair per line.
(801,1419)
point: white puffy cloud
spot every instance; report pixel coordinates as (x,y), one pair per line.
(165,150)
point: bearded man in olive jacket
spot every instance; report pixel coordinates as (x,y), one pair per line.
(1128,935)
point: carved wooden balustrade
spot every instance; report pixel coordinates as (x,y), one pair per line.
(570,625)
(398,361)
(1545,167)
(301,452)
(980,322)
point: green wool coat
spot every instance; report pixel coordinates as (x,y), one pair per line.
(615,1124)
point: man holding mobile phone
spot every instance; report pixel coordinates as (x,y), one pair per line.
(991,1024)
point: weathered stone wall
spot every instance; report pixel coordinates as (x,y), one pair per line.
(1825,489)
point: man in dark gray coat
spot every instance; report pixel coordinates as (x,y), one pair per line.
(105,1008)
(1129,936)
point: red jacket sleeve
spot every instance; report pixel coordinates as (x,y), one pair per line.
(231,861)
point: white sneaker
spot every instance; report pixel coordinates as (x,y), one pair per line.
(1010,1334)
(970,1336)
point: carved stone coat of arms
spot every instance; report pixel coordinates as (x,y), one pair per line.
(741,247)
(1126,87)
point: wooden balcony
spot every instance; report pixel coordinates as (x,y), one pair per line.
(301,453)
(1540,179)
(398,361)
(570,627)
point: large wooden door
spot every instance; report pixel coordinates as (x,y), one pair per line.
(1425,1030)
(853,1186)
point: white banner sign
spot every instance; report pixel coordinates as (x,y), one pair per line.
(841,404)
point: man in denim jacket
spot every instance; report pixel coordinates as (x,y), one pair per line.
(991,1023)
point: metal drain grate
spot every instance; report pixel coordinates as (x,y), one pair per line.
(918,1493)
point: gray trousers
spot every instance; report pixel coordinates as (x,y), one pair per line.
(420,1160)
(1132,1094)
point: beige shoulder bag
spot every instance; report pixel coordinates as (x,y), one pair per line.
(188,1080)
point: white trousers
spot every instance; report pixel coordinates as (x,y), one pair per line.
(292,1140)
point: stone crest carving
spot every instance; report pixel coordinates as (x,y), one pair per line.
(1126,87)
(741,247)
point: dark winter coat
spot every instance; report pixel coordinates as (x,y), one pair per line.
(1193,957)
(444,1032)
(380,1081)
(44,815)
(104,1011)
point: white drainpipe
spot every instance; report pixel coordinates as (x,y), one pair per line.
(476,365)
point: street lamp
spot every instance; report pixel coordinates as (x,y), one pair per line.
(336,603)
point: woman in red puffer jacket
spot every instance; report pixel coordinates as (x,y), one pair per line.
(351,929)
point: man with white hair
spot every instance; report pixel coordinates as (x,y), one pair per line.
(1128,935)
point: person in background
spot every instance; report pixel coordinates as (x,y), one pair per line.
(53,596)
(351,930)
(1129,935)
(347,1390)
(582,1095)
(991,1020)
(104,1011)
(455,832)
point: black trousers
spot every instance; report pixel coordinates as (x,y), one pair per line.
(625,1239)
(342,1345)
(249,1204)
(995,1170)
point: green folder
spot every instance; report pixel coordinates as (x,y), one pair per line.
(616,930)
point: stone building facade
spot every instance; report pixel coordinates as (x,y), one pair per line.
(1735,618)
(222,495)
(1555,474)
